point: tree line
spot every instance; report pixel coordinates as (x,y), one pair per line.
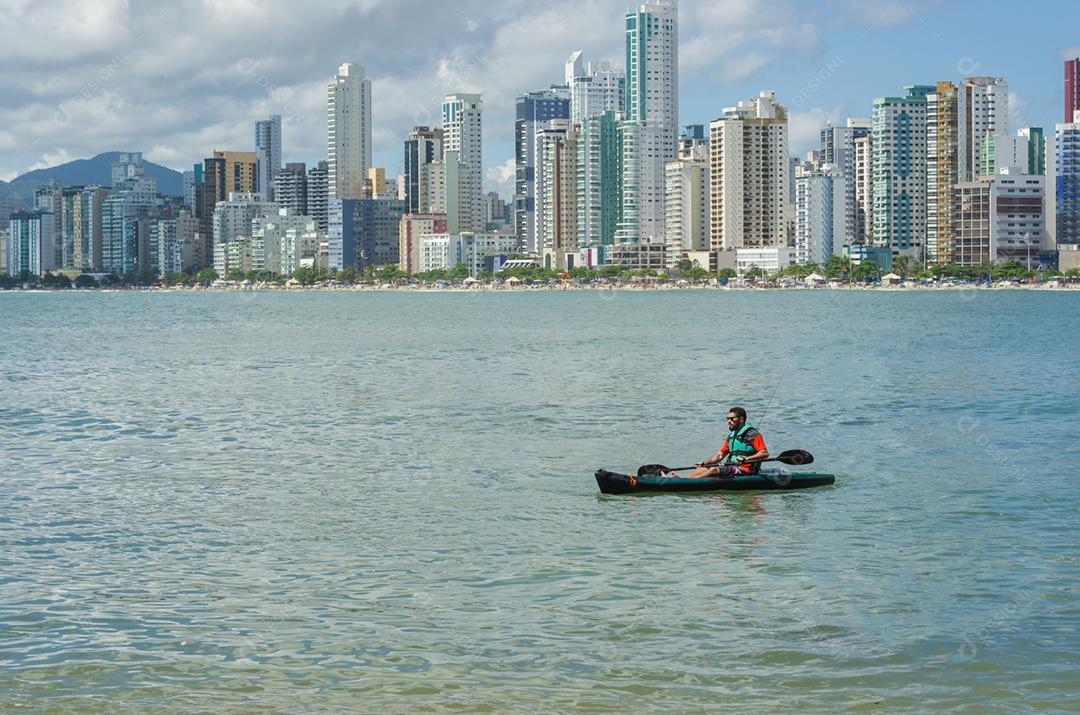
(838,268)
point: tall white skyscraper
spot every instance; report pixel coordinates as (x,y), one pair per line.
(652,66)
(984,111)
(267,154)
(348,132)
(462,134)
(820,213)
(651,124)
(594,89)
(838,150)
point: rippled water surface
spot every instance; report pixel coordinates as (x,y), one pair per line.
(384,503)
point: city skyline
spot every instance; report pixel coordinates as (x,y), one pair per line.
(132,90)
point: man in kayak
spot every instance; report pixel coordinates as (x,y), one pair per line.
(744,443)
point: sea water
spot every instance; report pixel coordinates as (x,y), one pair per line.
(384,502)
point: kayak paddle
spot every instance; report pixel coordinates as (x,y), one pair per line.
(794,457)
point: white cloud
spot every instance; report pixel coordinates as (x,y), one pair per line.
(1019,107)
(804,128)
(501,178)
(884,13)
(50,31)
(60,156)
(179,79)
(744,66)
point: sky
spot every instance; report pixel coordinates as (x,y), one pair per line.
(179,80)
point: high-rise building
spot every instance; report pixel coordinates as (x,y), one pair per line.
(129,165)
(691,137)
(599,175)
(594,89)
(550,141)
(279,243)
(1072,89)
(687,202)
(652,68)
(268,154)
(272,235)
(8,206)
(433,194)
(233,216)
(232,172)
(1067,181)
(1018,227)
(446,187)
(1000,218)
(31,243)
(126,215)
(176,241)
(4,247)
(476,250)
(364,232)
(318,194)
(291,188)
(299,245)
(1036,146)
(461,115)
(838,151)
(495,209)
(81,235)
(49,200)
(899,156)
(748,168)
(971,245)
(423,146)
(820,213)
(649,134)
(864,190)
(641,217)
(410,229)
(557,191)
(224,173)
(190,181)
(533,110)
(943,169)
(983,111)
(1002,151)
(377,186)
(348,132)
(1050,152)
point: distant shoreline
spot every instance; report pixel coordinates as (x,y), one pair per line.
(480,288)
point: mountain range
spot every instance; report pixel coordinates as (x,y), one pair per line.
(86,172)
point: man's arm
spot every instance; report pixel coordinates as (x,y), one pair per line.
(718,456)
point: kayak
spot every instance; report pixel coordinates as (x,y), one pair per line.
(613,483)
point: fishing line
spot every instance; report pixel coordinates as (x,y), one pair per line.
(775,389)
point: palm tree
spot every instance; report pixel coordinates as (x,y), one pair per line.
(901,266)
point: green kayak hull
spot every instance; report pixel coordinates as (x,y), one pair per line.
(613,483)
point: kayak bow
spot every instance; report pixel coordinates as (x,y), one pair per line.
(614,483)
